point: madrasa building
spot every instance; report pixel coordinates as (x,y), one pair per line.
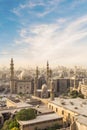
(24,84)
(47,87)
(20,85)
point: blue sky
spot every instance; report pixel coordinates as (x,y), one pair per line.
(34,31)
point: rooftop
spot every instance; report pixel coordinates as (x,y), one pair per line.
(42,118)
(76,105)
(13,99)
(18,103)
(23,104)
(43,109)
(82,120)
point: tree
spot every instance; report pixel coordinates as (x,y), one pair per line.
(26,114)
(15,128)
(9,124)
(75,94)
(13,124)
(6,124)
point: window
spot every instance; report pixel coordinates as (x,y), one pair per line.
(73,118)
(56,109)
(62,112)
(52,107)
(20,87)
(49,106)
(68,115)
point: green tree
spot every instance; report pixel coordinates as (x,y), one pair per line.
(13,124)
(15,128)
(9,124)
(26,114)
(6,124)
(75,94)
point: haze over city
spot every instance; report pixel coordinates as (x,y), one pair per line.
(34,31)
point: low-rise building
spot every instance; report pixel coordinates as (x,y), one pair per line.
(72,110)
(64,84)
(83,87)
(16,103)
(21,84)
(41,122)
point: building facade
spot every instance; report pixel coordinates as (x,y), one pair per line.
(73,112)
(41,122)
(22,85)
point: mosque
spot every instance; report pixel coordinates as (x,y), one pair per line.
(23,84)
(48,88)
(20,85)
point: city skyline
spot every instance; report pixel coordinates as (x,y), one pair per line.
(34,31)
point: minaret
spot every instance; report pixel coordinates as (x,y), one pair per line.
(75,77)
(52,87)
(36,82)
(37,72)
(47,72)
(12,76)
(50,73)
(12,68)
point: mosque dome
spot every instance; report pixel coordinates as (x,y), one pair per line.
(61,75)
(44,87)
(25,75)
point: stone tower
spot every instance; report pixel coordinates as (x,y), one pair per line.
(47,72)
(52,90)
(75,77)
(36,82)
(12,76)
(50,73)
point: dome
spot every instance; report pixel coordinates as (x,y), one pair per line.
(24,75)
(44,87)
(41,76)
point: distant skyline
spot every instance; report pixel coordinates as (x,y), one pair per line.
(34,31)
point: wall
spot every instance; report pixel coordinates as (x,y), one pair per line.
(68,116)
(80,126)
(84,90)
(42,125)
(24,87)
(10,103)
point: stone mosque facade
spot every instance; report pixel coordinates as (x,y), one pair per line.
(48,88)
(22,85)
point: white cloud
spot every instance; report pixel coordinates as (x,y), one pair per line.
(58,42)
(16,11)
(61,42)
(4,52)
(48,7)
(27,5)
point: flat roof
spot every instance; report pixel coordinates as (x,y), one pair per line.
(23,104)
(18,103)
(43,109)
(13,99)
(82,120)
(76,105)
(41,118)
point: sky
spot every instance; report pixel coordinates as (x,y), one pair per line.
(33,32)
